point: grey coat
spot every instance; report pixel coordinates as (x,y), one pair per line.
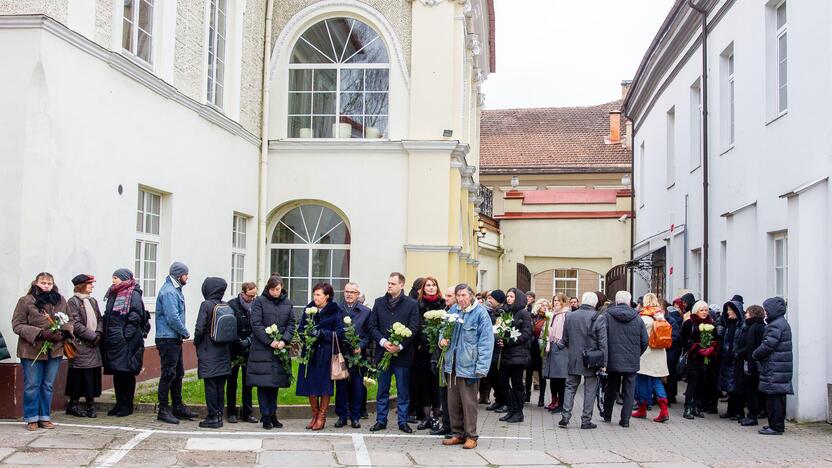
(775,352)
(264,368)
(213,359)
(576,338)
(88,355)
(626,339)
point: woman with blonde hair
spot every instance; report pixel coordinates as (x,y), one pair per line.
(556,359)
(653,364)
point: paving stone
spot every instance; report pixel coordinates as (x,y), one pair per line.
(162,442)
(377,458)
(645,455)
(146,458)
(45,456)
(314,444)
(447,456)
(216,458)
(571,457)
(226,444)
(64,440)
(17,436)
(295,458)
(606,465)
(674,465)
(517,457)
(5,451)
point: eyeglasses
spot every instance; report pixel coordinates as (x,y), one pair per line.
(351,292)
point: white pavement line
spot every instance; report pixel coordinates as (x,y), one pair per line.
(122,451)
(362,456)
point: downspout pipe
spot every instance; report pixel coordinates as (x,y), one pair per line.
(263,167)
(705,199)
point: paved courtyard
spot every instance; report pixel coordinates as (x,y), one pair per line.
(139,440)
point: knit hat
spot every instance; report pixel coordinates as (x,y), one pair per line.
(688,300)
(123,274)
(737,298)
(177,269)
(83,279)
(498,295)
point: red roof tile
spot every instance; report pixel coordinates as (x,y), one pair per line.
(555,139)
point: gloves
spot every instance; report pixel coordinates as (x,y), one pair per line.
(706,351)
(54,337)
(244,344)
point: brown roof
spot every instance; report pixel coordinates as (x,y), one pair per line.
(555,139)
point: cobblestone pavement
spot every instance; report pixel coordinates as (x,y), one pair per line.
(140,440)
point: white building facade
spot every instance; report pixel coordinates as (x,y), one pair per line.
(769,69)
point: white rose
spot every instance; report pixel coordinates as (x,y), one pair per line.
(347,320)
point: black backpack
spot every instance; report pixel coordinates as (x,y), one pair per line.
(223,324)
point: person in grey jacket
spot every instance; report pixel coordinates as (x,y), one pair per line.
(580,334)
(776,364)
(626,341)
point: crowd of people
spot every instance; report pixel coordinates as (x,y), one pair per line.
(491,344)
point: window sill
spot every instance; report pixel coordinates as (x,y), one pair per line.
(727,150)
(777,117)
(335,139)
(136,60)
(214,107)
(695,168)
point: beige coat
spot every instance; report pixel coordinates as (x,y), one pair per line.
(27,323)
(653,361)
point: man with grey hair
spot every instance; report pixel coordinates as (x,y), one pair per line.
(467,359)
(350,393)
(626,340)
(584,332)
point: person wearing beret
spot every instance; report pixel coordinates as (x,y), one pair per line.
(83,379)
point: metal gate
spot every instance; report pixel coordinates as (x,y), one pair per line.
(616,280)
(524,278)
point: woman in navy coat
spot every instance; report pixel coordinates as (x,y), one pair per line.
(316,382)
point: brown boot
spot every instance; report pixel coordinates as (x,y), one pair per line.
(313,404)
(322,409)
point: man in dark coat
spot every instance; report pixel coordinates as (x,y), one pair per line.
(351,393)
(626,340)
(582,333)
(395,306)
(213,359)
(776,364)
(239,354)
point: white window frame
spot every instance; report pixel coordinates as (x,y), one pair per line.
(556,278)
(133,50)
(239,228)
(695,125)
(215,62)
(780,240)
(731,97)
(148,239)
(782,60)
(696,255)
(670,152)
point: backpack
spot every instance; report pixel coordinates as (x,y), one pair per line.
(662,337)
(223,325)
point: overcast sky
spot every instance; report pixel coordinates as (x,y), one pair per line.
(556,53)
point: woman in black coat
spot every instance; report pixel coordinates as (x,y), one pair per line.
(700,376)
(515,356)
(315,378)
(746,367)
(126,325)
(729,339)
(213,359)
(264,369)
(425,397)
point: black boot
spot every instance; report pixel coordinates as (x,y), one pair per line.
(688,414)
(492,406)
(181,411)
(90,412)
(511,408)
(519,399)
(166,415)
(213,421)
(232,415)
(73,408)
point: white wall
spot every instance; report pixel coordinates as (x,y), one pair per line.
(770,157)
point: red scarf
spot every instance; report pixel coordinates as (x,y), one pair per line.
(428,298)
(123,292)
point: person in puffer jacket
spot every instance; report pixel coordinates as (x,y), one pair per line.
(776,364)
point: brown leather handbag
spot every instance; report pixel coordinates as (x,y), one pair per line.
(338,366)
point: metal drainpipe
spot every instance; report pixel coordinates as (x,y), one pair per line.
(705,211)
(263,168)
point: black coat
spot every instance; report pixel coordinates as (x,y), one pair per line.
(242,347)
(626,339)
(263,368)
(360,315)
(731,334)
(517,352)
(123,336)
(382,318)
(692,339)
(775,352)
(213,359)
(750,339)
(423,355)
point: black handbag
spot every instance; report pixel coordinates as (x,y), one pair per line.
(593,358)
(682,366)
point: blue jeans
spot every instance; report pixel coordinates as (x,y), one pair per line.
(646,386)
(403,393)
(267,398)
(349,395)
(38,377)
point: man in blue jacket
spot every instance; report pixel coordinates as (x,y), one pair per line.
(170,332)
(467,360)
(349,393)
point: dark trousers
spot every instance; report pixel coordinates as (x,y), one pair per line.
(443,399)
(695,392)
(776,408)
(214,394)
(627,383)
(672,384)
(751,394)
(494,381)
(424,389)
(511,386)
(125,389)
(485,390)
(173,369)
(267,397)
(402,375)
(537,366)
(231,393)
(349,395)
(558,389)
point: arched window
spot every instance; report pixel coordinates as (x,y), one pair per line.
(339,75)
(311,244)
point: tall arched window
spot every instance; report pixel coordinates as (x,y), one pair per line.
(311,244)
(339,75)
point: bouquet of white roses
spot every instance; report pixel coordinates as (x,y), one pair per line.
(434,320)
(55,325)
(446,331)
(504,331)
(282,354)
(310,335)
(706,337)
(398,333)
(353,358)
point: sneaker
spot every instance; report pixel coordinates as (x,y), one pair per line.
(165,415)
(769,431)
(588,425)
(563,423)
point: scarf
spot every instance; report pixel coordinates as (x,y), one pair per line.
(558,321)
(92,320)
(432,298)
(123,292)
(246,305)
(392,302)
(650,311)
(42,298)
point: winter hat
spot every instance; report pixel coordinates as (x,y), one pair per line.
(177,269)
(498,295)
(688,300)
(83,279)
(737,298)
(123,274)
